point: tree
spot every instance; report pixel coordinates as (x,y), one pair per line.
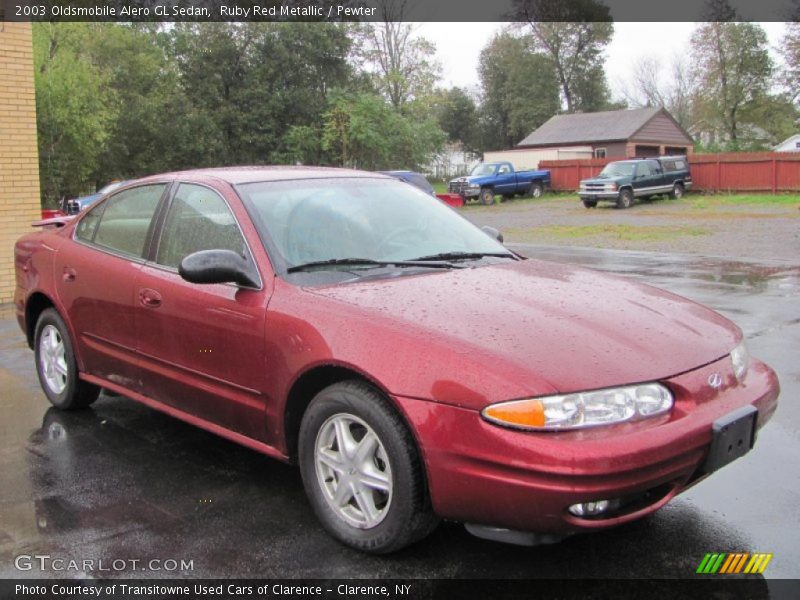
(457,116)
(573,34)
(365,131)
(520,91)
(151,108)
(734,70)
(402,65)
(75,109)
(790,52)
(255,84)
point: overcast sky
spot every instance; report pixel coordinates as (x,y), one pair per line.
(459,46)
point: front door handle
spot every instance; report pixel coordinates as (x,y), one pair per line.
(150,298)
(69,274)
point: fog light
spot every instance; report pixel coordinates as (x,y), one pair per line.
(592,509)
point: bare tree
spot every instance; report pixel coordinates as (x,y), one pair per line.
(790,52)
(669,84)
(402,64)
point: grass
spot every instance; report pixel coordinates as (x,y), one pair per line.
(714,200)
(627,233)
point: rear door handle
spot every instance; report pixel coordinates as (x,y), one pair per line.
(69,274)
(149,298)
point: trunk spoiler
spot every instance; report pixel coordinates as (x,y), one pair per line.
(56,222)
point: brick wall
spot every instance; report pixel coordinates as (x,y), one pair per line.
(19,159)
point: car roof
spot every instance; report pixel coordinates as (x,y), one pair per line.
(254,174)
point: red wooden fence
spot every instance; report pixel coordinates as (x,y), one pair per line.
(731,172)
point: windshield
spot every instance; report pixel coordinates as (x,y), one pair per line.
(618,169)
(374,219)
(483,170)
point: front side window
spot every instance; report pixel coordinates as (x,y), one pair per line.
(198,219)
(617,169)
(125,221)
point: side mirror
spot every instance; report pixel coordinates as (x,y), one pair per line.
(492,233)
(218,266)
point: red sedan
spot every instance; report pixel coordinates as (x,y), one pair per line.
(412,366)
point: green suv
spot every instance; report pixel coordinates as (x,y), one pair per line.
(622,181)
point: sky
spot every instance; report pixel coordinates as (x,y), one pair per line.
(459,46)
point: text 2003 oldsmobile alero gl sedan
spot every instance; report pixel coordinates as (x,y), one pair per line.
(411,365)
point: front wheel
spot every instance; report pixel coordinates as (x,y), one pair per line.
(56,365)
(677,191)
(536,190)
(487,196)
(361,470)
(625,198)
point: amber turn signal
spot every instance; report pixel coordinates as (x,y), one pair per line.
(524,413)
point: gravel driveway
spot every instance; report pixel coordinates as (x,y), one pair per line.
(705,225)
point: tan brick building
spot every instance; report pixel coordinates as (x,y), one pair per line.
(20,202)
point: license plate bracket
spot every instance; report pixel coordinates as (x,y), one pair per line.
(733,436)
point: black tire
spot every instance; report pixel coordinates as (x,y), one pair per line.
(677,191)
(625,198)
(408,514)
(487,196)
(536,190)
(589,203)
(75,393)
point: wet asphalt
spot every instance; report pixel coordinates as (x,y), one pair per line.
(121,481)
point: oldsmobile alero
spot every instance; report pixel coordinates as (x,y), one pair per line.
(412,366)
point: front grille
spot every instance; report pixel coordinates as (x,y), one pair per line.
(458,187)
(595,187)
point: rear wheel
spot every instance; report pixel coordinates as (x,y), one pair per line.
(677,191)
(536,190)
(361,470)
(625,198)
(56,365)
(487,196)
(590,203)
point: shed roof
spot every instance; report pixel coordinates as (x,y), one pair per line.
(590,127)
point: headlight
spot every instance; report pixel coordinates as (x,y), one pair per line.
(584,409)
(474,186)
(740,358)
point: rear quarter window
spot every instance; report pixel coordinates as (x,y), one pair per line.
(674,165)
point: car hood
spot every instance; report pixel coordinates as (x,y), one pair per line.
(605,180)
(473,179)
(570,327)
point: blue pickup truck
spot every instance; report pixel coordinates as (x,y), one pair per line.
(488,179)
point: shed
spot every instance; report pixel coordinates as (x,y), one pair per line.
(613,133)
(790,144)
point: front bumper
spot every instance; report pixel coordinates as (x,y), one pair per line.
(597,195)
(488,475)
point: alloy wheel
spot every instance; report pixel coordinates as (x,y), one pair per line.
(52,359)
(353,471)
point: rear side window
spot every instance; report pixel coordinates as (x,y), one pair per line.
(88,224)
(675,165)
(125,221)
(198,219)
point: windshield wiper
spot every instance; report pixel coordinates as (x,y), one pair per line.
(368,262)
(457,255)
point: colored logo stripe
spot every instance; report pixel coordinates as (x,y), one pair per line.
(734,562)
